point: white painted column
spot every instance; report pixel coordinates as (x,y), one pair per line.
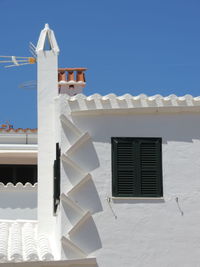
(47,74)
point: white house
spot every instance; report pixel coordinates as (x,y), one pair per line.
(118,177)
(18,169)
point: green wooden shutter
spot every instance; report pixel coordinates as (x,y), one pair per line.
(56,169)
(150,167)
(124,167)
(136,167)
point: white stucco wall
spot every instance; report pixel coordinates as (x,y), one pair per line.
(18,203)
(146,232)
(18,138)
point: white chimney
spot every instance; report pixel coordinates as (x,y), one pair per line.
(47,75)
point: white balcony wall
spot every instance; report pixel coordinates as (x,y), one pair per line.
(18,202)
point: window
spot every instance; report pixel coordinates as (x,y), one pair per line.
(11,173)
(136,167)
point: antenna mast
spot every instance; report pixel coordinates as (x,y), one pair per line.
(17,61)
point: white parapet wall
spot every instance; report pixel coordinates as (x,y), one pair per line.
(18,202)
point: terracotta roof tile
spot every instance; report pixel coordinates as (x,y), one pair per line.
(11,130)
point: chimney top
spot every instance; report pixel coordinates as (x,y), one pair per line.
(47,35)
(71,81)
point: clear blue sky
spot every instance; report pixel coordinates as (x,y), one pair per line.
(143,46)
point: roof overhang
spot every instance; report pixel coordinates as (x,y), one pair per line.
(18,154)
(18,147)
(96,104)
(142,110)
(18,150)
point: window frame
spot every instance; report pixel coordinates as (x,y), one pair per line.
(138,171)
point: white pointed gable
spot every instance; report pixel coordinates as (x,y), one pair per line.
(47,35)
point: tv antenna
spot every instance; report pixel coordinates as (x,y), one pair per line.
(28,85)
(19,61)
(6,126)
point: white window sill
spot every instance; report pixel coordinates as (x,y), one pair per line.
(137,198)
